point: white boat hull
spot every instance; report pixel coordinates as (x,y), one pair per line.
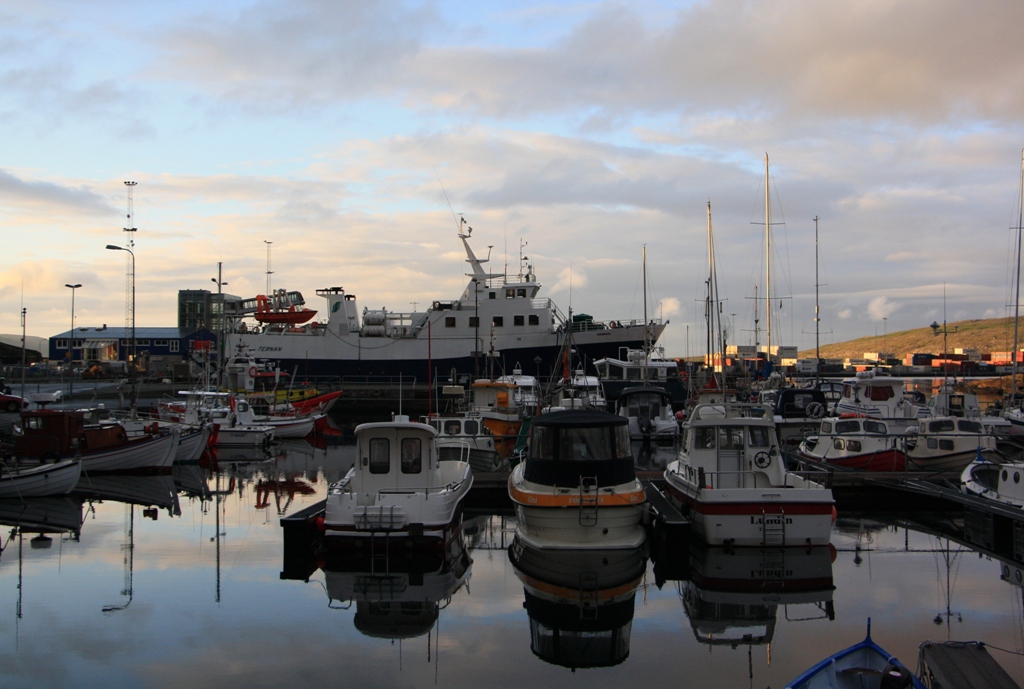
(39,481)
(155,452)
(768,516)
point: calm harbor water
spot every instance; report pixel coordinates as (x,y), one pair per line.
(188,592)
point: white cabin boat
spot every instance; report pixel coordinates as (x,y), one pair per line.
(730,476)
(999,481)
(398,485)
(649,412)
(577,487)
(578,391)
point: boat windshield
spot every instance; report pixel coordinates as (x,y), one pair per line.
(580,444)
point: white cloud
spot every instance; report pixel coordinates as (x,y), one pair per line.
(880,308)
(845,314)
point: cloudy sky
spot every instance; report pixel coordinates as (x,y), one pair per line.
(349,134)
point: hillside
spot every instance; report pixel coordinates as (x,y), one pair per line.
(987,335)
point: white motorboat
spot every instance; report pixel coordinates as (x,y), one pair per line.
(730,477)
(38,479)
(948,443)
(577,487)
(649,411)
(856,442)
(999,481)
(578,391)
(222,409)
(464,437)
(878,397)
(398,485)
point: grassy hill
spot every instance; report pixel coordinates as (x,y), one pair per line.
(987,335)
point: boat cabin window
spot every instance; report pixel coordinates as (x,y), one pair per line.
(521,292)
(847,427)
(956,405)
(875,427)
(510,294)
(704,438)
(847,445)
(449,321)
(412,455)
(534,319)
(826,426)
(580,444)
(471,427)
(380,456)
(944,444)
(847,391)
(969,426)
(941,426)
(34,422)
(757,436)
(730,437)
(879,393)
(633,374)
(452,427)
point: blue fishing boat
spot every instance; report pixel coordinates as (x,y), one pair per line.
(865,664)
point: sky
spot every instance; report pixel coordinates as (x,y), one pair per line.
(351,135)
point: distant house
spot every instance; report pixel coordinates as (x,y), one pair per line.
(156,348)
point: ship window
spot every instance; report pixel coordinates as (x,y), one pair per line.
(839,444)
(956,405)
(518,320)
(472,427)
(452,427)
(521,292)
(758,436)
(730,437)
(633,374)
(510,294)
(874,427)
(969,426)
(380,456)
(498,321)
(853,445)
(933,443)
(704,438)
(534,319)
(1016,477)
(34,422)
(847,427)
(826,426)
(879,393)
(412,455)
(491,295)
(474,321)
(942,425)
(945,444)
(449,321)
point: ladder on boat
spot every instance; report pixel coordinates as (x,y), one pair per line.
(588,501)
(773,528)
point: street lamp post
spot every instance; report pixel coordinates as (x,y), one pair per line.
(113,247)
(71,342)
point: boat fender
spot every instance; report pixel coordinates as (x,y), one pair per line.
(319,524)
(895,677)
(852,415)
(252,371)
(153,428)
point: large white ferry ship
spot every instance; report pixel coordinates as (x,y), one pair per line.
(498,322)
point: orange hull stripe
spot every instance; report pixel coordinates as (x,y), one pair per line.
(633,497)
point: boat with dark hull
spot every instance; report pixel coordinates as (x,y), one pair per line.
(498,318)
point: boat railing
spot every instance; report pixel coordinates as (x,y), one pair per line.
(713,480)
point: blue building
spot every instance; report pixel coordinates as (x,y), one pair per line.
(156,349)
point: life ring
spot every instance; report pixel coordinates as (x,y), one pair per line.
(684,375)
(815,410)
(253,371)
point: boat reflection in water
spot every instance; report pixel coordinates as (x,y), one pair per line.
(397,595)
(580,601)
(43,516)
(733,595)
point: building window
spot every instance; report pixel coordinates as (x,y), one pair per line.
(124,343)
(518,320)
(534,319)
(449,321)
(61,344)
(143,343)
(474,322)
(172,346)
(159,343)
(490,295)
(498,321)
(79,343)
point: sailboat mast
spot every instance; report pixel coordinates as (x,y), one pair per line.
(647,342)
(768,256)
(817,313)
(1016,300)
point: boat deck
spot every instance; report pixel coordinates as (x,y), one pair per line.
(961,664)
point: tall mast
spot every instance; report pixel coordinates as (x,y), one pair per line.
(817,315)
(1016,299)
(768,256)
(647,344)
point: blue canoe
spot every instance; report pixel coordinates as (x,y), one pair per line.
(862,665)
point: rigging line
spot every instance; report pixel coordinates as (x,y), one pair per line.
(458,226)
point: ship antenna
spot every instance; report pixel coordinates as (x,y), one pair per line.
(459,221)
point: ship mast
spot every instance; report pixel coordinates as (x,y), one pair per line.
(817,315)
(647,344)
(768,256)
(1016,299)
